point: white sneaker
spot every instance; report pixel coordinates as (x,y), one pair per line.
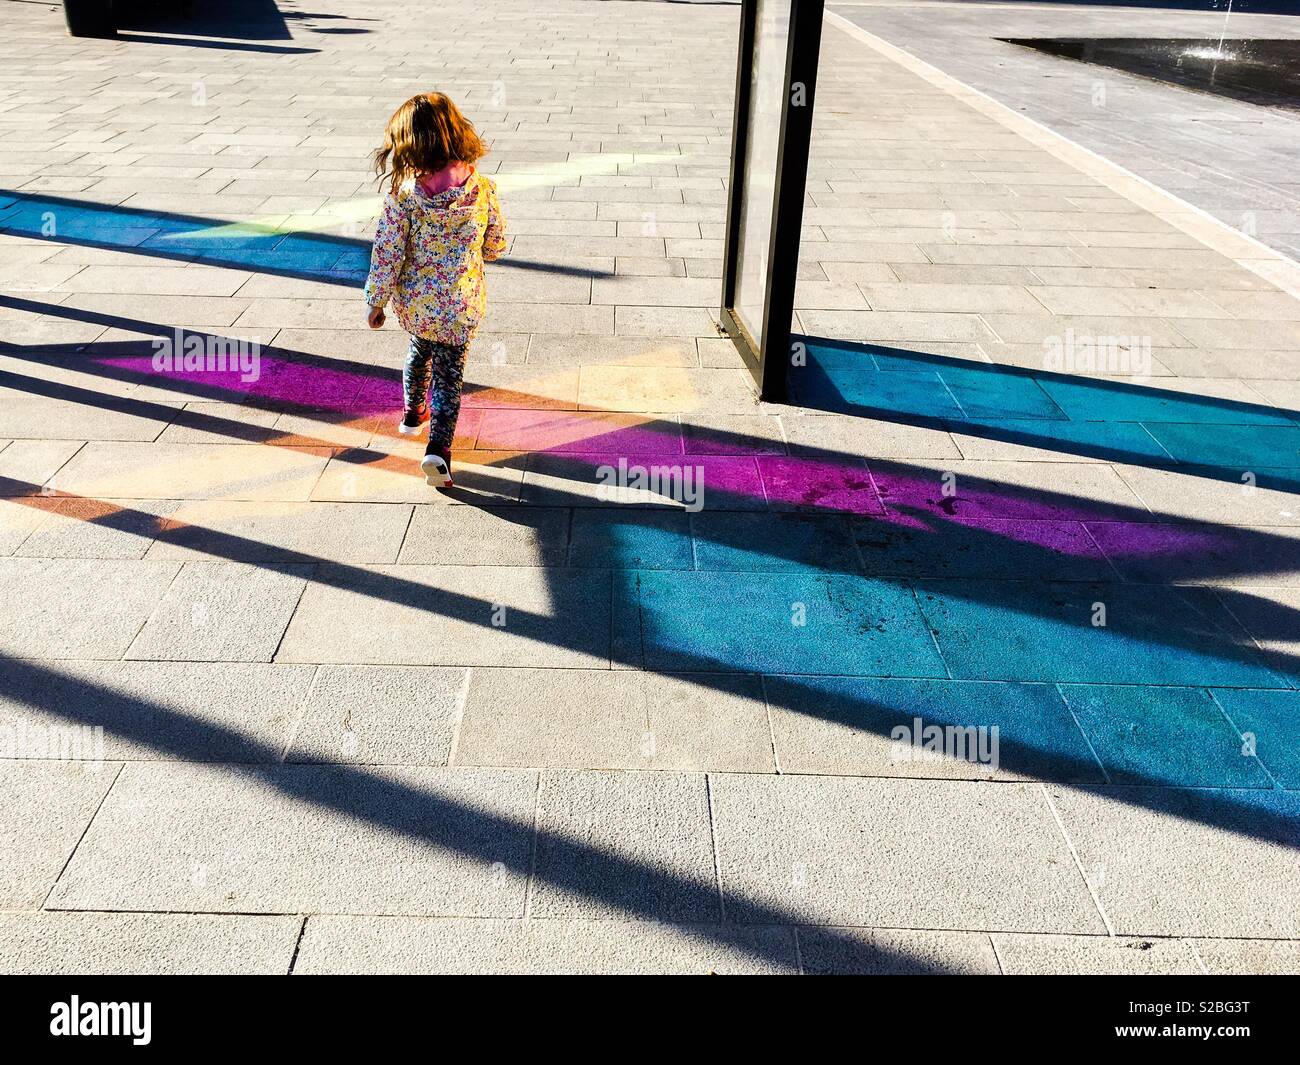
(436,471)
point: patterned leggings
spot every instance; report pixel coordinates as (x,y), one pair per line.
(435,371)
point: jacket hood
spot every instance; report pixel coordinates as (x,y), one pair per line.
(457,200)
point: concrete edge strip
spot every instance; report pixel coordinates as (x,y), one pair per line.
(1247,252)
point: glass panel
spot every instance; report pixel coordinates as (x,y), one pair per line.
(767,101)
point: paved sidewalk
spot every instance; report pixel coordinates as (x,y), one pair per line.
(1233,159)
(1040,476)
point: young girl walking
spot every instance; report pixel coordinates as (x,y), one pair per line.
(440,222)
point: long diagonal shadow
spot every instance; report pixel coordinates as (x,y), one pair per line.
(300,399)
(633,887)
(636,888)
(931,401)
(1015,405)
(1249,548)
(1230,810)
(795,693)
(301,385)
(344,261)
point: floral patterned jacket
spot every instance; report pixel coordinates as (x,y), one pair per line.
(428,257)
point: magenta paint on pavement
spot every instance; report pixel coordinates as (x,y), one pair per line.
(276,380)
(779,481)
(703,441)
(968,497)
(734,477)
(793,483)
(379,394)
(1129,539)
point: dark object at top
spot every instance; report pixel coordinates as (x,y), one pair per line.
(1261,72)
(90,18)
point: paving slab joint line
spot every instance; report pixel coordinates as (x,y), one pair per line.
(997,954)
(1262,652)
(532,852)
(89,821)
(713,843)
(307,582)
(301,714)
(458,715)
(798,951)
(50,481)
(1105,773)
(771,730)
(1078,863)
(297,945)
(1214,698)
(1246,251)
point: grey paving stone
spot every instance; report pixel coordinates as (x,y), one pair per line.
(894,326)
(1008,548)
(1265,957)
(984,296)
(630,538)
(560,350)
(451,946)
(222,612)
(476,536)
(223,423)
(17,521)
(1178,496)
(624,844)
(1223,333)
(1038,329)
(1000,255)
(47,808)
(454,616)
(895,952)
(77,608)
(663,321)
(162,280)
(1144,734)
(862,726)
(1028,490)
(52,418)
(255,531)
(97,528)
(188,711)
(867,438)
(27,465)
(601,719)
(298,839)
(107,469)
(1023,955)
(380,715)
(1169,861)
(145,944)
(904,853)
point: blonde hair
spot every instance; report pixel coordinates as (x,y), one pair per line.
(425,135)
